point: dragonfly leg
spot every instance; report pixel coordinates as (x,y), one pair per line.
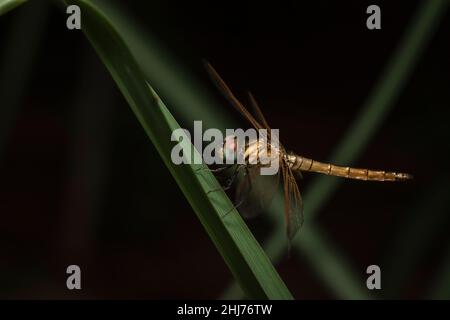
(233,177)
(234,207)
(217,189)
(229,182)
(219,169)
(203,168)
(212,170)
(245,196)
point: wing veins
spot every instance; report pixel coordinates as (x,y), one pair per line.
(226,91)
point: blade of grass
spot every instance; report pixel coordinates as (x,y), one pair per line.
(243,255)
(378,104)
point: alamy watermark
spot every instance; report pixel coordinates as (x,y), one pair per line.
(241,147)
(374,279)
(74,279)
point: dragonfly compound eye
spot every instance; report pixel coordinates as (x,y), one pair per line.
(229,148)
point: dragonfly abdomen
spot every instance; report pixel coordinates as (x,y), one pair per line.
(299,163)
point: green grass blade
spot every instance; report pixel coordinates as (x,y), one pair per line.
(243,255)
(8,5)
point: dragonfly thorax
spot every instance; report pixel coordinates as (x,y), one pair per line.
(290,159)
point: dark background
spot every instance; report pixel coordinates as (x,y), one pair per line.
(80,183)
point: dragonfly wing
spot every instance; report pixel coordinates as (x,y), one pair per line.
(257,111)
(226,91)
(293,204)
(255,192)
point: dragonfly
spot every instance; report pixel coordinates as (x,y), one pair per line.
(257,194)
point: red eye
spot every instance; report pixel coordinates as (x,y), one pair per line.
(230,143)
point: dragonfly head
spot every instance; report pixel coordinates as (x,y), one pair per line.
(229,148)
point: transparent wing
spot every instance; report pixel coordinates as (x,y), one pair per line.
(254,192)
(226,91)
(293,204)
(257,111)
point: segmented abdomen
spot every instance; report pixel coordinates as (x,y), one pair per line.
(299,163)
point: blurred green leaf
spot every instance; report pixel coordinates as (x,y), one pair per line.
(8,5)
(243,255)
